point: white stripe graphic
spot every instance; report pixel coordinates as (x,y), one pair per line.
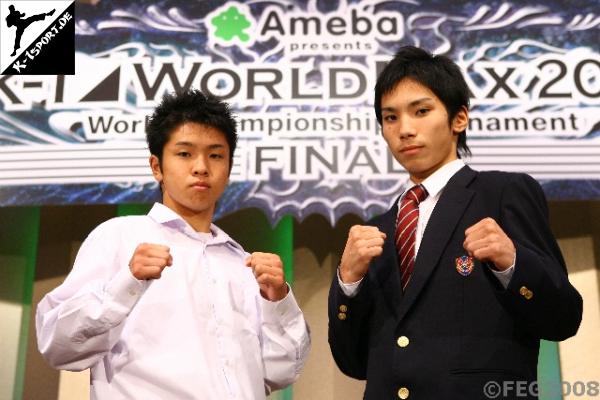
(544,159)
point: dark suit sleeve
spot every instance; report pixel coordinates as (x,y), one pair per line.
(539,294)
(348,328)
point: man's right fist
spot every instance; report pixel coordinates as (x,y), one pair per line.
(149,260)
(364,243)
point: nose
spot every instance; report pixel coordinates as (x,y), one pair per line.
(200,167)
(406,129)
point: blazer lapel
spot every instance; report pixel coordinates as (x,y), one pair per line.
(447,212)
(384,269)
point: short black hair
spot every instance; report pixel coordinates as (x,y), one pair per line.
(438,73)
(189,106)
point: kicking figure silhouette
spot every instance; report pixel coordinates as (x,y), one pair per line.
(15,18)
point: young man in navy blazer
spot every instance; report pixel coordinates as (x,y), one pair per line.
(460,314)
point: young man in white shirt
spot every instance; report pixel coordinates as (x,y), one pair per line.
(167,305)
(448,293)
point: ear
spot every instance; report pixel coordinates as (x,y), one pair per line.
(460,121)
(155,166)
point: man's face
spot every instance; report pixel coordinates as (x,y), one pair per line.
(415,127)
(195,169)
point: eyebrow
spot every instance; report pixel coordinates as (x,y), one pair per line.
(210,146)
(411,104)
(187,144)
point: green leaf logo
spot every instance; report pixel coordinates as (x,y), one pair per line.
(230,24)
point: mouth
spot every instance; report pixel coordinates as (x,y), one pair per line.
(200,186)
(409,150)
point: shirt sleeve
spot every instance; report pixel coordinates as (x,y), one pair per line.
(505,276)
(349,289)
(285,341)
(81,320)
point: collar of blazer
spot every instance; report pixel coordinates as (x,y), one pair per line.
(447,213)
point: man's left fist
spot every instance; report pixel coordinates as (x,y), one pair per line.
(268,271)
(487,242)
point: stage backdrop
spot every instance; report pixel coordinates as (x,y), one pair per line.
(300,76)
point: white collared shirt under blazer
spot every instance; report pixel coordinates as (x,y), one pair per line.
(201,331)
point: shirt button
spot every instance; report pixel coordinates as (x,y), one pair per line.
(132,292)
(343,308)
(403,341)
(342,316)
(403,393)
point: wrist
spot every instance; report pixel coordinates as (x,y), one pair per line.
(348,276)
(276,294)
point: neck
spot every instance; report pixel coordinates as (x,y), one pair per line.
(199,220)
(420,176)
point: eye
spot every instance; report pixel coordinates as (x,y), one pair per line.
(216,156)
(422,111)
(389,118)
(183,154)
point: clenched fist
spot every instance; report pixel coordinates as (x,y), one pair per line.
(486,241)
(268,271)
(364,243)
(149,260)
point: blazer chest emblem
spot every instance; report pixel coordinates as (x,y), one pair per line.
(464,265)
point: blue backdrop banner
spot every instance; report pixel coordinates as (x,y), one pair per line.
(300,77)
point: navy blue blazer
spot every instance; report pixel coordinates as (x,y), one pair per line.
(448,335)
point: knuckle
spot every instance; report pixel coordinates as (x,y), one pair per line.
(357,230)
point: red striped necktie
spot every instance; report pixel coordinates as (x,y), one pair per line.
(406,231)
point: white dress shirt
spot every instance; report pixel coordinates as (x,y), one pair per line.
(201,331)
(434,184)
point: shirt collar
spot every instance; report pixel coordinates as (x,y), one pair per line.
(167,217)
(438,180)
